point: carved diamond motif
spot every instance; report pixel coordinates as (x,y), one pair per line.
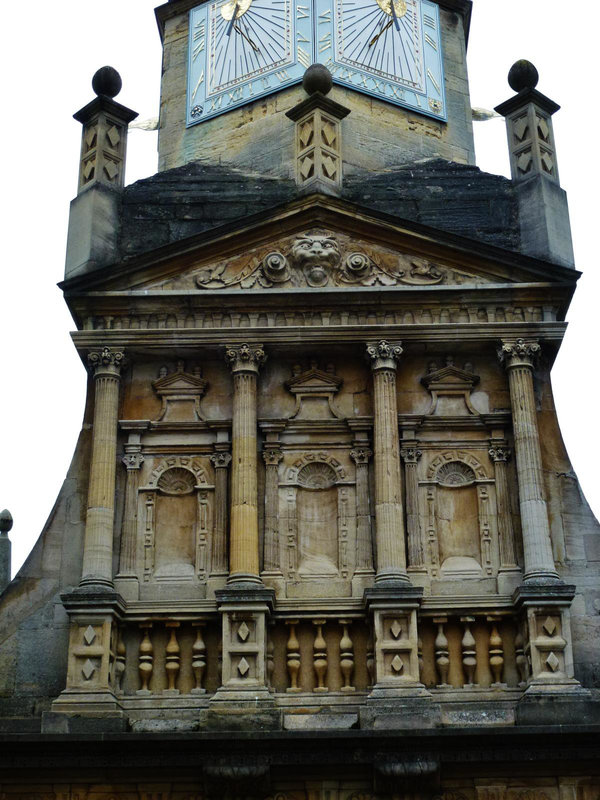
(243,667)
(329,167)
(88,670)
(543,129)
(524,162)
(90,138)
(112,134)
(547,162)
(521,129)
(328,133)
(89,635)
(552,662)
(243,632)
(306,134)
(306,167)
(88,170)
(397,664)
(111,170)
(396,629)
(549,626)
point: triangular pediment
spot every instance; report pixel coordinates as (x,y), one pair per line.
(314,380)
(318,244)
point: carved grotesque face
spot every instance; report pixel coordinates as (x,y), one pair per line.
(317,255)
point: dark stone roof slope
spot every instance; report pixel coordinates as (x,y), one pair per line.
(173,205)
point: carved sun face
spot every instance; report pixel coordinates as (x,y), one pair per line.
(317,255)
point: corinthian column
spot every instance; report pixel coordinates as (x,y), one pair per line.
(518,357)
(98,546)
(245,361)
(389,521)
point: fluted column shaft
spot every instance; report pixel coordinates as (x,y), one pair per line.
(389,521)
(271,561)
(245,361)
(416,550)
(220,461)
(519,359)
(98,545)
(133,460)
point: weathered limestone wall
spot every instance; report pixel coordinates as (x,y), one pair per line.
(34,629)
(376,135)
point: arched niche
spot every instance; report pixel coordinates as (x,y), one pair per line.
(319,518)
(459,516)
(177,521)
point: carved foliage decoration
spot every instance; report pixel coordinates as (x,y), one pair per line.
(319,258)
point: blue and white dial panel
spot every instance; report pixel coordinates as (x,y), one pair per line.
(241,50)
(387,48)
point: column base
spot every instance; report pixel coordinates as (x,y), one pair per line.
(243,580)
(392,578)
(89,703)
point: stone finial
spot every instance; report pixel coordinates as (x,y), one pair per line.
(107,82)
(6,521)
(543,209)
(317,78)
(318,134)
(104,135)
(523,75)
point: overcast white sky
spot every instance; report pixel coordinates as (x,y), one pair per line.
(50,50)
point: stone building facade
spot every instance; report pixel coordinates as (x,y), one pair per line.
(320,538)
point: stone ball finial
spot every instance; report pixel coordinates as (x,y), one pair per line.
(317,78)
(523,75)
(6,521)
(107,82)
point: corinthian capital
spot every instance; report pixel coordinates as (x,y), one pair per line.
(272,456)
(245,357)
(106,360)
(384,354)
(361,455)
(500,453)
(410,455)
(220,460)
(519,353)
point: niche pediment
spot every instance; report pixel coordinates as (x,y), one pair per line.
(450,388)
(180,393)
(314,390)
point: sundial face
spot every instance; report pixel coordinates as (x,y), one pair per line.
(241,50)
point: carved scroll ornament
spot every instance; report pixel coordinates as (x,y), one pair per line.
(317,259)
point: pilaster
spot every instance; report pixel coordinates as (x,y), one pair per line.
(221,461)
(411,455)
(509,573)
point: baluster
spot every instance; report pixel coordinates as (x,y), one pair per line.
(270,662)
(521,658)
(346,656)
(293,656)
(469,654)
(146,659)
(496,653)
(320,656)
(442,659)
(198,658)
(120,661)
(172,658)
(371,662)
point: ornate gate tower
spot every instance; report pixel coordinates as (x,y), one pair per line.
(320,539)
